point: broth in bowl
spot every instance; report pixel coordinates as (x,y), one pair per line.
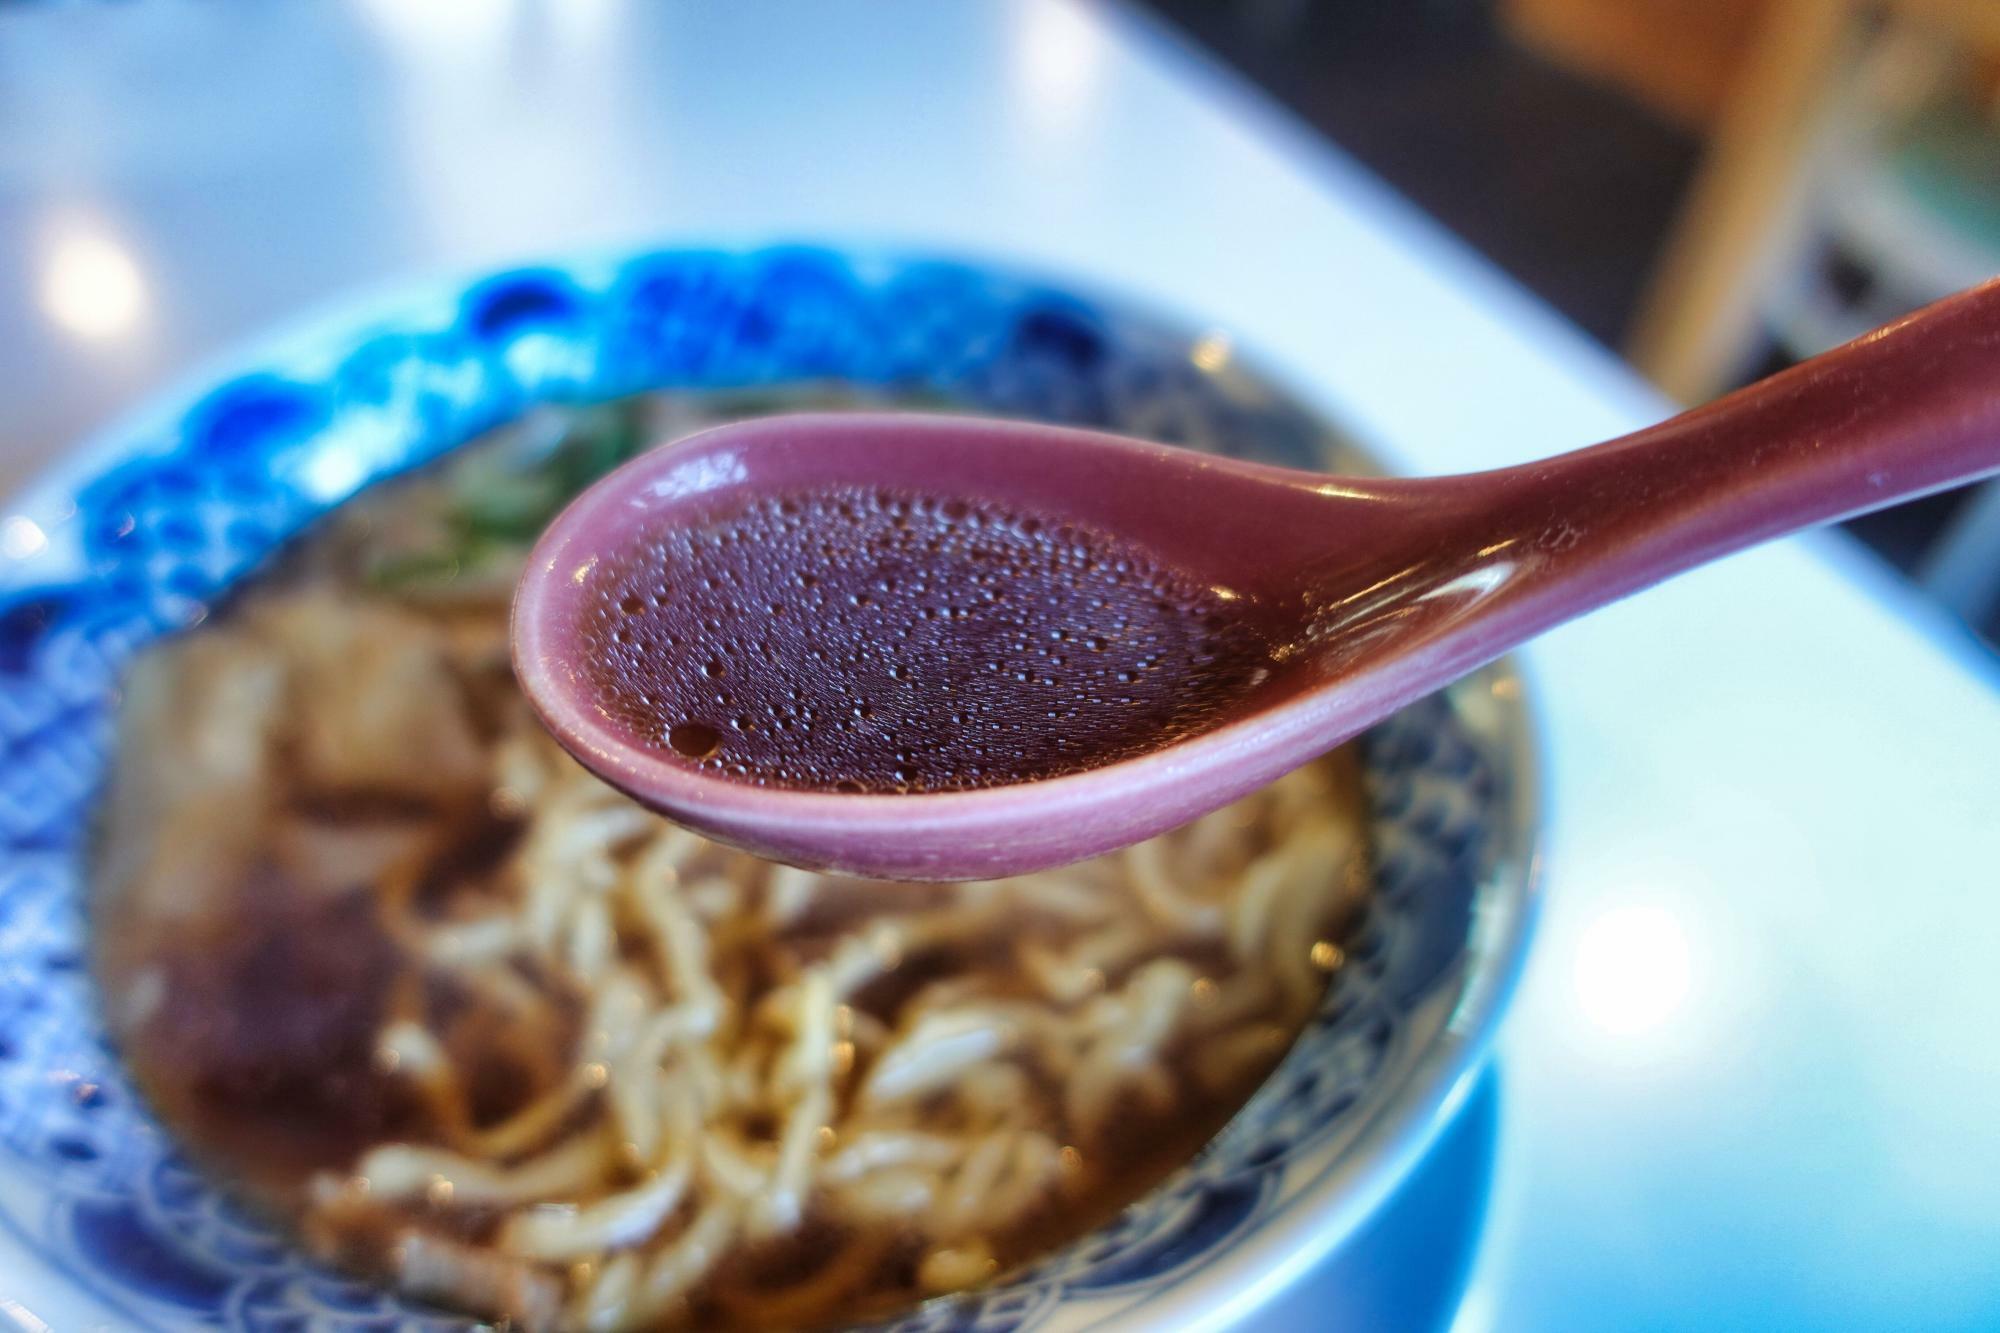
(469,1020)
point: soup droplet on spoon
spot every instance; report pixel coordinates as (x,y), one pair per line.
(946,648)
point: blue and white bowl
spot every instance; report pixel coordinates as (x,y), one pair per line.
(102,1224)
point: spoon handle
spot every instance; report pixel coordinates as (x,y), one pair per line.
(1909,409)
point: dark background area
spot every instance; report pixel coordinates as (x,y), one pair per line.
(1567,184)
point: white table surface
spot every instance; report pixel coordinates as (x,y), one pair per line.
(1751,1079)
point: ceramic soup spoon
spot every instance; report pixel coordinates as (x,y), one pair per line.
(934,647)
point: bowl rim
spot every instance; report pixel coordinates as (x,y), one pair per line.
(1425,1098)
(1418,1101)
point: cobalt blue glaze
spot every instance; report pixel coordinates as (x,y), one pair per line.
(171,522)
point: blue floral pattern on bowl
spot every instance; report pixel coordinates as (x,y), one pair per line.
(174,515)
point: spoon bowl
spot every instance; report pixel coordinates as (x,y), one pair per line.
(1375,592)
(1084,477)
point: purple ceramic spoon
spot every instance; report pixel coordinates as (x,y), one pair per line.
(1389,589)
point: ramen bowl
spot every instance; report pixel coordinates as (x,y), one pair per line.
(103,1222)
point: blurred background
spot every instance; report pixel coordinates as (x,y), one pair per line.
(1712,188)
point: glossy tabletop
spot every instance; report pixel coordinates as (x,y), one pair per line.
(1750,1079)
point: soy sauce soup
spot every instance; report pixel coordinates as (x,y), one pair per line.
(862,640)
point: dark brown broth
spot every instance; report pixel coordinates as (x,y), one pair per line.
(862,640)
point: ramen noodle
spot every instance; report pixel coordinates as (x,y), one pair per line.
(466,1018)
